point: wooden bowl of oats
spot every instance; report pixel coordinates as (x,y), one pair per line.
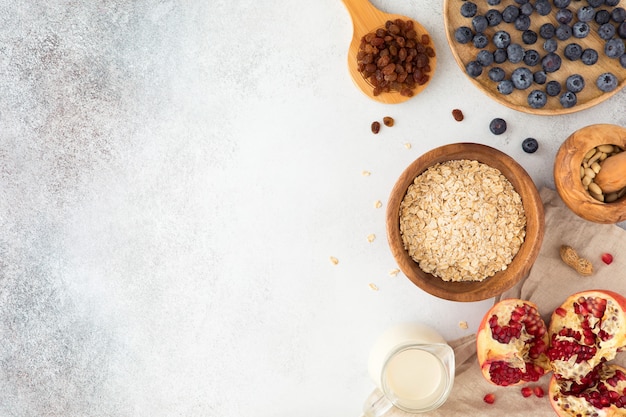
(465,222)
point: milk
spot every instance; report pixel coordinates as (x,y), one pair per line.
(413,366)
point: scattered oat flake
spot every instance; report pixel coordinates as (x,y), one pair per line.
(366,173)
(373,286)
(407,145)
(378,204)
(463,325)
(334,260)
(371,238)
(394,272)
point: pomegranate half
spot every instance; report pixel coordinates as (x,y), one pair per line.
(585,331)
(511,343)
(602,393)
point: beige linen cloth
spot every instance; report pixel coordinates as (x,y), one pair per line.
(548,284)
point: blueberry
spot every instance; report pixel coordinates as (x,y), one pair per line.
(463,34)
(485,58)
(499,56)
(561,4)
(589,56)
(515,53)
(606,31)
(521,1)
(537,99)
(551,62)
(505,87)
(510,13)
(586,14)
(563,32)
(522,22)
(564,16)
(501,39)
(602,17)
(496,74)
(606,82)
(529,37)
(621,30)
(469,9)
(568,99)
(540,77)
(493,2)
(575,83)
(543,7)
(553,88)
(573,51)
(547,31)
(531,57)
(550,45)
(494,17)
(595,3)
(614,48)
(497,126)
(611,2)
(580,30)
(530,145)
(526,9)
(480,40)
(618,14)
(480,23)
(622,61)
(474,69)
(522,78)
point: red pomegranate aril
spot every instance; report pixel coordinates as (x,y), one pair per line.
(538,391)
(527,391)
(561,311)
(490,398)
(607,258)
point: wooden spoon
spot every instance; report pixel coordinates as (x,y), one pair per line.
(365,19)
(612,176)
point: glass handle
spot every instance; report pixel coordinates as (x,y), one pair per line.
(376,404)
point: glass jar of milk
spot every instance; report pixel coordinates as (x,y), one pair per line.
(413,368)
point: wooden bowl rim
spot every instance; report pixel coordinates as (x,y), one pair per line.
(567,178)
(521,263)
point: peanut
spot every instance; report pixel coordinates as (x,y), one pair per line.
(572,259)
(591,166)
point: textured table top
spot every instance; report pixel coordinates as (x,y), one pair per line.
(174,179)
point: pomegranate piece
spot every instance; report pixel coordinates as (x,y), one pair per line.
(586,330)
(607,258)
(538,391)
(489,398)
(527,391)
(602,394)
(511,343)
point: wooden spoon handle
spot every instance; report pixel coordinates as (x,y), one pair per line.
(612,176)
(365,17)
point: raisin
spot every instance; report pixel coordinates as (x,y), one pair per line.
(375,127)
(457,114)
(388,121)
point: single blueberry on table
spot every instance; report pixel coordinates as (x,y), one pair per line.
(522,22)
(607,82)
(568,99)
(564,16)
(547,31)
(510,13)
(537,99)
(563,32)
(485,58)
(580,30)
(515,53)
(501,39)
(589,56)
(550,45)
(614,48)
(474,69)
(530,145)
(531,57)
(561,4)
(499,56)
(529,37)
(469,9)
(522,78)
(540,77)
(575,83)
(497,126)
(543,7)
(553,88)
(463,34)
(505,87)
(606,31)
(573,51)
(551,62)
(496,74)
(480,23)
(480,40)
(618,14)
(602,17)
(494,17)
(586,13)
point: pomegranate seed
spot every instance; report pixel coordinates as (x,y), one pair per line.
(607,258)
(538,391)
(561,311)
(490,398)
(527,391)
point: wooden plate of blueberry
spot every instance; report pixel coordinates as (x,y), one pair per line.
(544,57)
